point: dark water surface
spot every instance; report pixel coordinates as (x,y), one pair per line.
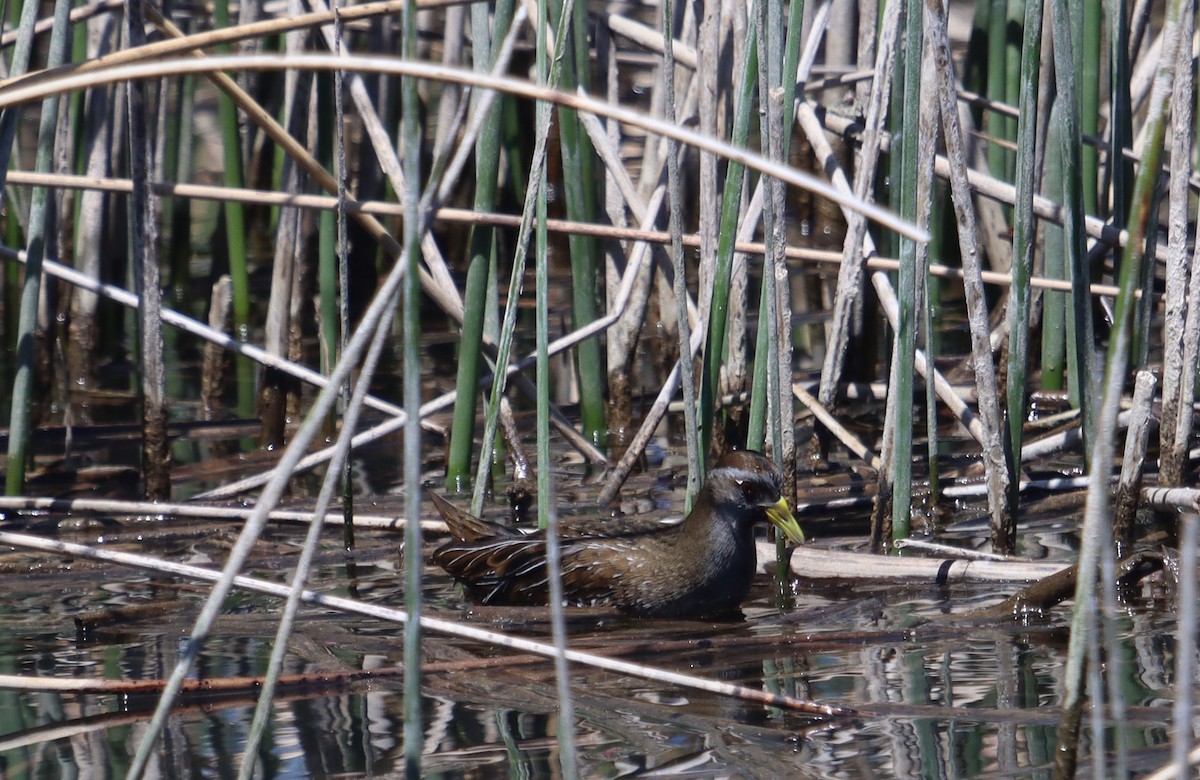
(940,696)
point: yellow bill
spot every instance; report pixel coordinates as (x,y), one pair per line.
(781,517)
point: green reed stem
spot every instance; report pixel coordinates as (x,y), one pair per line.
(327,260)
(756,433)
(1080,331)
(1120,111)
(1088,56)
(730,211)
(483,256)
(508,325)
(514,130)
(16,67)
(343,263)
(756,428)
(679,268)
(1054,303)
(780,113)
(579,186)
(235,227)
(327,288)
(975,66)
(906,286)
(996,87)
(177,210)
(1147,301)
(1024,234)
(1014,58)
(414,735)
(1099,510)
(75,105)
(547,514)
(40,215)
(12,275)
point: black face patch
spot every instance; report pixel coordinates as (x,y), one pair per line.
(756,489)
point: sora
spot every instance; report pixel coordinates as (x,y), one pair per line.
(700,566)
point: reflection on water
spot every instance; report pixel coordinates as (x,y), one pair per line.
(939,698)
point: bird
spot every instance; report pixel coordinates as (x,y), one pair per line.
(701,566)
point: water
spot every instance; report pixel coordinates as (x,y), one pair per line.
(939,696)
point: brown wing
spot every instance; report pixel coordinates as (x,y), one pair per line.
(612,528)
(467,528)
(513,571)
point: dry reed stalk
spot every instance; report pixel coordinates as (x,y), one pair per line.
(622,337)
(89,227)
(927,142)
(708,81)
(1125,503)
(212,375)
(857,246)
(845,436)
(273,395)
(451,628)
(144,218)
(1004,192)
(745,245)
(988,403)
(1176,313)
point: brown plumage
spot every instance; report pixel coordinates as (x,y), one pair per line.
(702,565)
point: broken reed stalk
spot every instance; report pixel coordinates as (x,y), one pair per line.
(1125,503)
(285,269)
(783,406)
(794,72)
(84,329)
(619,197)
